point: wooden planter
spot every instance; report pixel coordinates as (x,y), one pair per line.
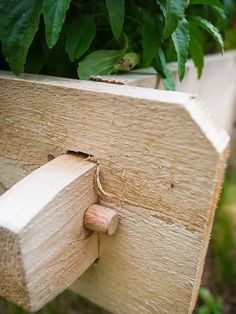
(154,157)
(216,86)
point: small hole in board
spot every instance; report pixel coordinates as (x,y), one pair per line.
(50,157)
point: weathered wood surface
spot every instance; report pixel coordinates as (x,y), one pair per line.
(44,246)
(146,77)
(216,86)
(161,162)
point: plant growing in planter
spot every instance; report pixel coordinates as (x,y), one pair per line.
(92,38)
(85,38)
(230,33)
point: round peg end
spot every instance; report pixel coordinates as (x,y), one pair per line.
(101,219)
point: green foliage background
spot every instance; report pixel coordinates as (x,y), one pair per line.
(79,38)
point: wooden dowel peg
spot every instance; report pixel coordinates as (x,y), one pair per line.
(101,219)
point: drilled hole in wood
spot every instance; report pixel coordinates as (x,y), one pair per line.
(50,157)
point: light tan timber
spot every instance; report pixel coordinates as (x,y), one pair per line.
(44,247)
(2,189)
(216,86)
(161,161)
(101,219)
(146,77)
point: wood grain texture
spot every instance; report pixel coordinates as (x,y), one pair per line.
(43,244)
(2,189)
(146,77)
(216,86)
(161,162)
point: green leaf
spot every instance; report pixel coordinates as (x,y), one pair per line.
(151,38)
(129,61)
(181,40)
(160,65)
(210,28)
(173,11)
(196,48)
(100,62)
(19,21)
(215,3)
(204,310)
(79,36)
(116,10)
(230,7)
(54,12)
(221,17)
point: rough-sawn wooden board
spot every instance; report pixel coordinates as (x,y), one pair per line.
(161,162)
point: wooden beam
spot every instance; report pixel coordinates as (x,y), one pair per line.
(161,162)
(146,77)
(44,247)
(218,91)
